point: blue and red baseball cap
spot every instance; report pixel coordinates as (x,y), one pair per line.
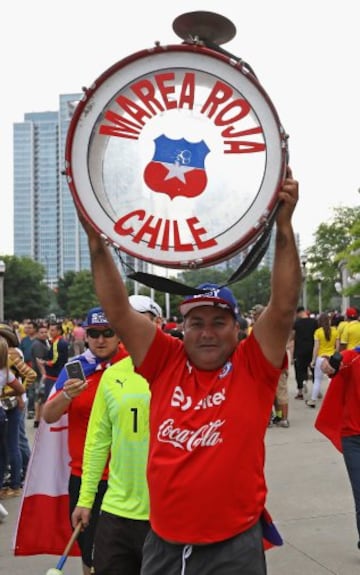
(213,295)
(96,318)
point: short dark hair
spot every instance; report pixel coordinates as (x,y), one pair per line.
(58,325)
(300,308)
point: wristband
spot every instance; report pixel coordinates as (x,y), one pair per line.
(66,395)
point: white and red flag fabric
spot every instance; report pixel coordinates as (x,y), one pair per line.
(43,525)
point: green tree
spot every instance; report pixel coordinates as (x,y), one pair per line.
(81,295)
(351,255)
(64,284)
(202,275)
(332,238)
(25,293)
(334,241)
(254,288)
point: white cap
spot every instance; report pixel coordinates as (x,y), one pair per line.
(143,303)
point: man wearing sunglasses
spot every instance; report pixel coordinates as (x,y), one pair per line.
(75,397)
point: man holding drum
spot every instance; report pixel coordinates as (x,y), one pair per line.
(206,462)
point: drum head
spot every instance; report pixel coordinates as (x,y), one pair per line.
(176,156)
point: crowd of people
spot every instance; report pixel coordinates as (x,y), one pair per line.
(36,354)
(42,349)
(156,424)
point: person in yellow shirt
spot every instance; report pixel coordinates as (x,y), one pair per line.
(350,336)
(68,327)
(325,344)
(21,329)
(341,326)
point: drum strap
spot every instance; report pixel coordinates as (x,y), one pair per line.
(166,285)
(218,48)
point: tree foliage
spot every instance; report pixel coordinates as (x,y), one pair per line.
(335,244)
(76,293)
(331,239)
(62,291)
(25,293)
(351,255)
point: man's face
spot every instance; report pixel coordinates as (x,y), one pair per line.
(26,328)
(43,333)
(102,341)
(31,330)
(210,336)
(54,331)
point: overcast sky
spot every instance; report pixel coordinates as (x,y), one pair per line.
(305,54)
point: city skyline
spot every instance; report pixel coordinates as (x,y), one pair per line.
(46,227)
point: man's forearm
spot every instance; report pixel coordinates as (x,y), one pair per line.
(96,450)
(109,286)
(55,407)
(134,329)
(286,275)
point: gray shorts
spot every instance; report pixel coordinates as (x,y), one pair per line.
(243,554)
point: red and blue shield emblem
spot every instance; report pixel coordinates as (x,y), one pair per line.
(177,167)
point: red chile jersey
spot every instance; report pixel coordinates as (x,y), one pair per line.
(80,407)
(206,465)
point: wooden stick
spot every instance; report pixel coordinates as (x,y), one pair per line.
(70,543)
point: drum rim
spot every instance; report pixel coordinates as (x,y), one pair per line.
(252,234)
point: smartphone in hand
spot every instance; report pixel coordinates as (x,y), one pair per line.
(75,370)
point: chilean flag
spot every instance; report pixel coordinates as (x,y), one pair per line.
(43,525)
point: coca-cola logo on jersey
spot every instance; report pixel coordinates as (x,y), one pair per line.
(208,435)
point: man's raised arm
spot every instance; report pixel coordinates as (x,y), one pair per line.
(273,328)
(135,331)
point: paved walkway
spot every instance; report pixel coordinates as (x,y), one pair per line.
(309,497)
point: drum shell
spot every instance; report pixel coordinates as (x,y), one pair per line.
(232,224)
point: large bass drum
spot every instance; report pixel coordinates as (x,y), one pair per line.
(176,155)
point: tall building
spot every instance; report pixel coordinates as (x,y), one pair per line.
(74,253)
(46,227)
